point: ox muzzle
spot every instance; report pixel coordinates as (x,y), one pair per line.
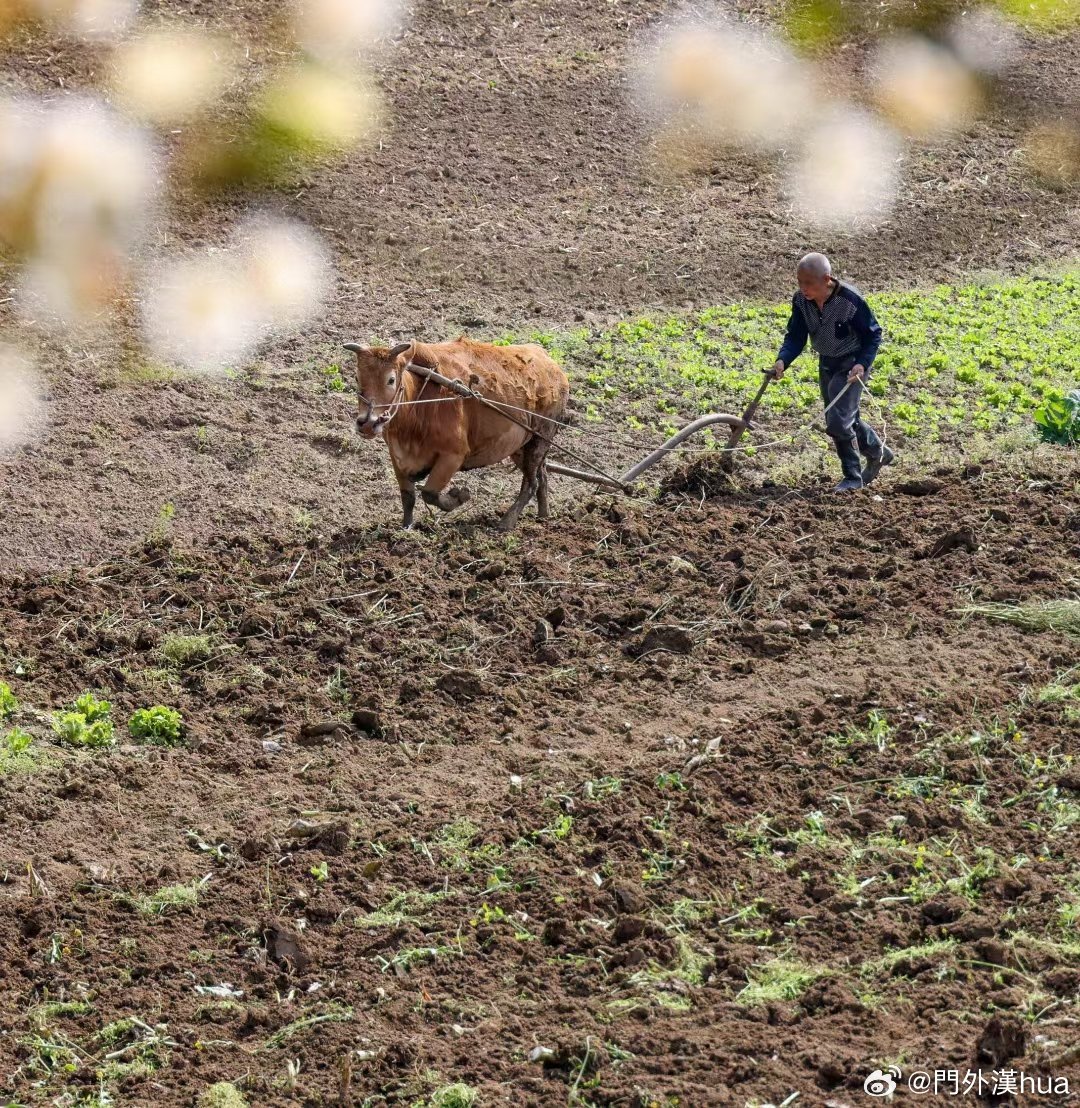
(371,422)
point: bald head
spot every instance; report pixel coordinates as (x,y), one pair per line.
(814,265)
(814,274)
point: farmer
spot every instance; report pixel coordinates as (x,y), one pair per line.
(846,336)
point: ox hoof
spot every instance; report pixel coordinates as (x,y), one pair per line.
(458,494)
(507,523)
(447,501)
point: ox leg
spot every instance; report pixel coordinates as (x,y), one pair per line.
(407,487)
(437,490)
(530,461)
(542,493)
(408,501)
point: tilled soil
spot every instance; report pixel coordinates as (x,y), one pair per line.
(452,797)
(713,801)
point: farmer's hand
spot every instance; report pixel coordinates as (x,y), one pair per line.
(857,373)
(778,370)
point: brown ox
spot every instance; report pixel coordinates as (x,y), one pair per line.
(433,441)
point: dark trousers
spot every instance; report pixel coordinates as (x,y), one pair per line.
(843,423)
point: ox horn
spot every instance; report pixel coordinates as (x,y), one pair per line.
(356,348)
(400,349)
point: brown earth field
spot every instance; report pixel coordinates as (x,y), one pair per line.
(716,803)
(672,800)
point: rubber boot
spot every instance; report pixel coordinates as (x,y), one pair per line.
(848,452)
(874,464)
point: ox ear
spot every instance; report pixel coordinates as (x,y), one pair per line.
(401,348)
(356,348)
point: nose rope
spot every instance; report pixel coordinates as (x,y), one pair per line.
(393,407)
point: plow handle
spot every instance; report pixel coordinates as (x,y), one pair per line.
(751,410)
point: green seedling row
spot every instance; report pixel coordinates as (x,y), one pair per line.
(957,360)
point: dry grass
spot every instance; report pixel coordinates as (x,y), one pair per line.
(1041,615)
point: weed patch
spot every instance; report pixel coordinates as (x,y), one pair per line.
(333,1013)
(780,979)
(173,898)
(185,650)
(222,1095)
(402,907)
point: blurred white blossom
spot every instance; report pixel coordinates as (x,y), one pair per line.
(319,110)
(18,136)
(846,175)
(76,184)
(287,268)
(22,409)
(167,76)
(924,88)
(212,311)
(733,83)
(78,288)
(330,29)
(984,40)
(201,313)
(93,176)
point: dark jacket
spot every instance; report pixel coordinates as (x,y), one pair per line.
(844,326)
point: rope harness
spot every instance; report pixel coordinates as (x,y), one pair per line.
(466,392)
(469,393)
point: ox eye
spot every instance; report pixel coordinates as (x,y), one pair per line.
(392,381)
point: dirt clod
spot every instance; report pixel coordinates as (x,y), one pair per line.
(283,947)
(920,486)
(1001,1040)
(556,617)
(629,900)
(963,539)
(368,720)
(556,931)
(461,685)
(704,477)
(677,640)
(315,734)
(944,909)
(628,928)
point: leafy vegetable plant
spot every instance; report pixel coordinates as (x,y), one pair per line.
(956,361)
(8,704)
(1058,419)
(87,724)
(158,725)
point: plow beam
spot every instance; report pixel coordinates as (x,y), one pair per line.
(661,452)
